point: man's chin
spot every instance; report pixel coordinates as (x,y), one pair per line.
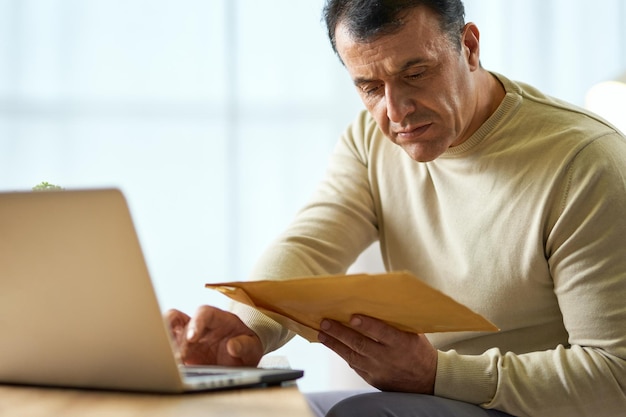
(422,153)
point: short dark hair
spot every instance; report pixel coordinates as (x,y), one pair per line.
(368,19)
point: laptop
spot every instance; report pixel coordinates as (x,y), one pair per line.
(77,305)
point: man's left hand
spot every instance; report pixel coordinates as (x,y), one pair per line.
(387,358)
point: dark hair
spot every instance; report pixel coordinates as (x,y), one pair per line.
(368,19)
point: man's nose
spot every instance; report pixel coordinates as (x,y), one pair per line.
(399,103)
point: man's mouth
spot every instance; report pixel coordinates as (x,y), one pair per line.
(413,132)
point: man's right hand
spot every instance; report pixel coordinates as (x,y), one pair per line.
(214,337)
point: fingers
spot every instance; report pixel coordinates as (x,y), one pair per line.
(214,336)
(357,349)
(175,318)
(363,334)
(205,319)
(387,358)
(176,321)
(244,347)
(374,329)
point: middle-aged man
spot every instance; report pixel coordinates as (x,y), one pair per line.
(510,201)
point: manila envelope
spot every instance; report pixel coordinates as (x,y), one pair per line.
(397,298)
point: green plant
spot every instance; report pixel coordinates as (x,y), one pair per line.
(46,186)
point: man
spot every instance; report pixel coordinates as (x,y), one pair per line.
(509,201)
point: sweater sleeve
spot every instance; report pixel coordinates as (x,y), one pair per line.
(585,247)
(327,235)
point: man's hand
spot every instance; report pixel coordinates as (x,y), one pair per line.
(214,337)
(387,358)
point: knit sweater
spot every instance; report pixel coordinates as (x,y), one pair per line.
(525,223)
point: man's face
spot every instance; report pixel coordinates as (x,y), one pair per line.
(416,83)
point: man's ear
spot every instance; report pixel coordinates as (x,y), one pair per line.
(470,43)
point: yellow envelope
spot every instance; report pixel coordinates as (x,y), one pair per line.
(398,298)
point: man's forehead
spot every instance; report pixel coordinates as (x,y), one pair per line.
(370,31)
(420,25)
(417,41)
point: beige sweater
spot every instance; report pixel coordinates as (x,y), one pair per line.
(525,223)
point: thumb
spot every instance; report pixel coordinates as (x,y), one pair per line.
(246,348)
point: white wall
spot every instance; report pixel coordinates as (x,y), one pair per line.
(217,117)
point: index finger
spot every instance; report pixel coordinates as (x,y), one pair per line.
(175,318)
(204,319)
(374,328)
(345,336)
(176,322)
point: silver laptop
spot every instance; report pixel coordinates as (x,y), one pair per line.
(77,305)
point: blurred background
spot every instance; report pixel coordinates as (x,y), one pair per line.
(216,118)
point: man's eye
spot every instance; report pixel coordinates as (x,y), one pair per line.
(416,75)
(370,89)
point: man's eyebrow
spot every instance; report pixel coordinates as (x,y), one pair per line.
(411,63)
(362,80)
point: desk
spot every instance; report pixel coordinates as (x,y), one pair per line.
(53,402)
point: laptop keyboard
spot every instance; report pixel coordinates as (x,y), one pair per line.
(190,372)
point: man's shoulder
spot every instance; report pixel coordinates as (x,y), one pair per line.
(541,112)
